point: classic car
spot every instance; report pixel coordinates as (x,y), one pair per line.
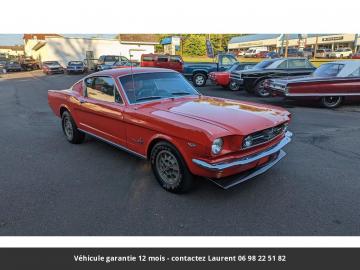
(329,84)
(222,78)
(2,65)
(253,79)
(124,64)
(52,67)
(158,115)
(28,63)
(13,66)
(198,72)
(107,61)
(341,53)
(76,67)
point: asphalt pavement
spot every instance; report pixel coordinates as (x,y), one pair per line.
(51,187)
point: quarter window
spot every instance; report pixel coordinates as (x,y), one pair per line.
(296,63)
(162,59)
(100,88)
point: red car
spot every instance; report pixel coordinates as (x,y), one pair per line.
(356,55)
(222,78)
(262,54)
(173,62)
(331,83)
(156,114)
(52,67)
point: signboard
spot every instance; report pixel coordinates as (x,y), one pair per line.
(332,38)
(209,49)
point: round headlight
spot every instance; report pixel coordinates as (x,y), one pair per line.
(216,147)
(248,141)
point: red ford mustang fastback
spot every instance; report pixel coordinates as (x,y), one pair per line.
(158,115)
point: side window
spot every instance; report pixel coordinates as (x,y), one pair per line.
(78,87)
(147,58)
(296,63)
(175,59)
(356,73)
(100,88)
(162,59)
(284,64)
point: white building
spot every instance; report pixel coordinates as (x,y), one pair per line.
(11,51)
(65,49)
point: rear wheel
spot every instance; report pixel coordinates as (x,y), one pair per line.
(260,89)
(233,86)
(170,168)
(72,134)
(199,79)
(331,102)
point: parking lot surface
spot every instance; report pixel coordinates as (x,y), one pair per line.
(51,187)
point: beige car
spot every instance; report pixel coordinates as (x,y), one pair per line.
(322,53)
(341,53)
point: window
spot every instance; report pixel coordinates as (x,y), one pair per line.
(284,64)
(147,58)
(227,60)
(175,59)
(356,73)
(78,87)
(151,86)
(328,70)
(100,88)
(296,63)
(162,59)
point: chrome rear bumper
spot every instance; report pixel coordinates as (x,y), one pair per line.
(247,159)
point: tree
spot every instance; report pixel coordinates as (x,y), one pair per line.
(194,45)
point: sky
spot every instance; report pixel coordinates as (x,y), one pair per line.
(16,39)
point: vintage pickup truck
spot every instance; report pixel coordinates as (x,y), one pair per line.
(198,72)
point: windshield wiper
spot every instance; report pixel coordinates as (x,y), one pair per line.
(149,97)
(181,93)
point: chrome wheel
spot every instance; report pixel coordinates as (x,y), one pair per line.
(234,86)
(168,167)
(199,80)
(260,89)
(331,101)
(68,128)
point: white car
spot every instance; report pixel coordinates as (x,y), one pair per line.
(341,53)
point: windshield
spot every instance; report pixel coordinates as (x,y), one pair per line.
(233,67)
(264,64)
(75,63)
(328,70)
(340,50)
(158,85)
(51,63)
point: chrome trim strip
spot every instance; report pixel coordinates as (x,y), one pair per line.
(114,144)
(245,160)
(321,95)
(225,184)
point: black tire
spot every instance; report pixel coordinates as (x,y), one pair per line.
(182,181)
(68,124)
(331,102)
(233,86)
(259,89)
(199,79)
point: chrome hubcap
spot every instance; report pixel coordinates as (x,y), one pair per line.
(332,100)
(233,86)
(68,128)
(168,167)
(199,80)
(261,89)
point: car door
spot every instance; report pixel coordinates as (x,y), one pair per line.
(101,110)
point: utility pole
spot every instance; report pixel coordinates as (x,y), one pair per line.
(316,45)
(286,45)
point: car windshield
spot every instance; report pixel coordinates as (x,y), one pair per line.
(264,64)
(151,86)
(340,50)
(328,70)
(75,63)
(51,63)
(233,67)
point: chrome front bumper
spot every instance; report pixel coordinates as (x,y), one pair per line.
(245,160)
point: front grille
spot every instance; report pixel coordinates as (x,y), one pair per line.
(267,135)
(235,75)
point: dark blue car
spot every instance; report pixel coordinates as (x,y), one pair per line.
(75,67)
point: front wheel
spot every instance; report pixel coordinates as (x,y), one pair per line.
(331,102)
(260,89)
(233,86)
(199,79)
(72,134)
(170,169)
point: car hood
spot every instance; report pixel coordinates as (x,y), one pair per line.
(230,116)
